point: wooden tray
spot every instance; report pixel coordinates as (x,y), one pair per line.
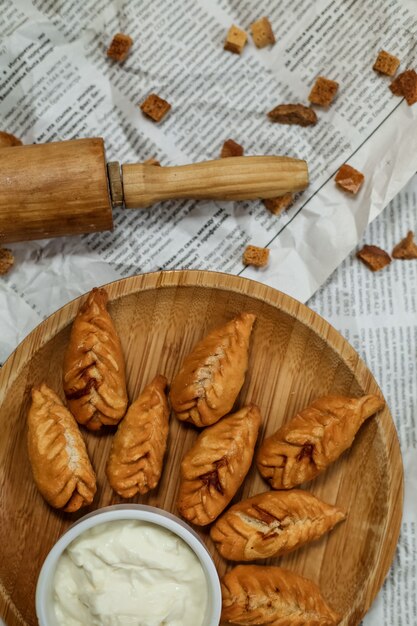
(295,357)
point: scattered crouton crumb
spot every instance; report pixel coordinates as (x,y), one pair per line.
(155,107)
(7,140)
(151,162)
(406,249)
(349,179)
(6,260)
(405,85)
(262,33)
(231,149)
(253,255)
(235,40)
(375,258)
(323,92)
(119,47)
(386,63)
(293,114)
(278,205)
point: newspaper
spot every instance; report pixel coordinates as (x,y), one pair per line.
(56,83)
(377,313)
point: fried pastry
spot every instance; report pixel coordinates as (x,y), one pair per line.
(256,594)
(206,387)
(214,468)
(271,524)
(314,438)
(60,464)
(138,447)
(94,372)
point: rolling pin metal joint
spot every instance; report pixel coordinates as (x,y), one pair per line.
(66,188)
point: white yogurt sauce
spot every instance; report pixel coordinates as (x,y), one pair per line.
(129,573)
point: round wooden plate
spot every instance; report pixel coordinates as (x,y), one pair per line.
(295,357)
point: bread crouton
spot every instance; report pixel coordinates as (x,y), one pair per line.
(6,260)
(386,63)
(253,255)
(323,92)
(293,114)
(155,107)
(406,249)
(373,257)
(262,33)
(231,149)
(7,140)
(349,179)
(405,85)
(151,162)
(235,40)
(280,204)
(119,47)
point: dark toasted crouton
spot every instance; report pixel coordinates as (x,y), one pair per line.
(119,47)
(323,92)
(7,140)
(155,107)
(349,179)
(405,85)
(6,260)
(407,248)
(375,258)
(293,114)
(231,149)
(280,204)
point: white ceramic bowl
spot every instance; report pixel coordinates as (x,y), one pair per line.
(44,589)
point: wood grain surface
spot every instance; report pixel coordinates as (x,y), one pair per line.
(239,178)
(295,357)
(54,189)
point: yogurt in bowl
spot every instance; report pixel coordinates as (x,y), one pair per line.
(129,565)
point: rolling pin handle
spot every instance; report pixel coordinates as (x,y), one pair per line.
(237,178)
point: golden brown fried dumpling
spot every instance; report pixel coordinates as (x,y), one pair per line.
(60,464)
(94,372)
(271,524)
(212,375)
(138,447)
(313,439)
(214,468)
(256,594)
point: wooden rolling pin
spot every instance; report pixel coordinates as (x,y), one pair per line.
(66,188)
